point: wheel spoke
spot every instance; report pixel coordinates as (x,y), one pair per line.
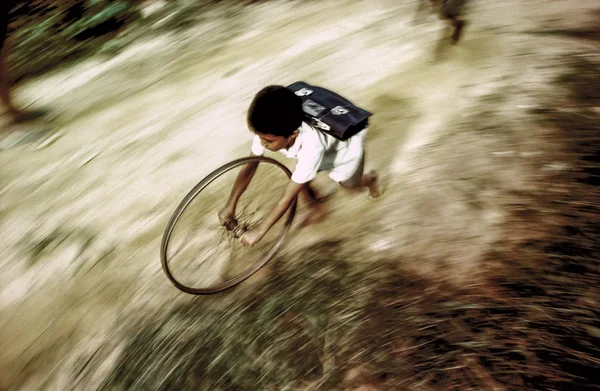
(215,258)
(216,247)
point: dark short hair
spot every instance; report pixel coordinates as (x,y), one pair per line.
(275,110)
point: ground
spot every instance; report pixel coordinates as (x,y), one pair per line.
(456,136)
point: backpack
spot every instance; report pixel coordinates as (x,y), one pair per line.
(330,112)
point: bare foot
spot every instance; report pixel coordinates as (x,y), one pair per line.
(373,185)
(460,24)
(314,214)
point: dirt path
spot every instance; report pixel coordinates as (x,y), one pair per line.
(82,217)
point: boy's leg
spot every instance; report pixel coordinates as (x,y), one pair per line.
(5,97)
(309,196)
(458,25)
(4,84)
(360,180)
(315,210)
(16,114)
(451,10)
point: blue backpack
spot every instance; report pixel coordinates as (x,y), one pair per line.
(330,112)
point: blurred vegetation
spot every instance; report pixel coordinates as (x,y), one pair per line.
(45,33)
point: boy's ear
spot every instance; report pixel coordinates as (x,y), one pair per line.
(296,132)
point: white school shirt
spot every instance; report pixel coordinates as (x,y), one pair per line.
(317,151)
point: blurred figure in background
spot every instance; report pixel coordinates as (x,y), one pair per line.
(449,10)
(16,114)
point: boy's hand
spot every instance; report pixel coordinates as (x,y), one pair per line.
(226,214)
(251,237)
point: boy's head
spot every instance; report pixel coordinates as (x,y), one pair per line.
(275,115)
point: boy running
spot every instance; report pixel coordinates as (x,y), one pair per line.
(276,118)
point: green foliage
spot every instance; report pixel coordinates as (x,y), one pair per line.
(45,33)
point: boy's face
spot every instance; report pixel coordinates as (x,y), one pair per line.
(275,143)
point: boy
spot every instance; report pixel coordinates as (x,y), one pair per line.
(276,118)
(449,10)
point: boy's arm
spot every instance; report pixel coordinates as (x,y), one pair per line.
(310,157)
(290,193)
(240,185)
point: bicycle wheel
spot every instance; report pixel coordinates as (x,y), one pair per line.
(198,254)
